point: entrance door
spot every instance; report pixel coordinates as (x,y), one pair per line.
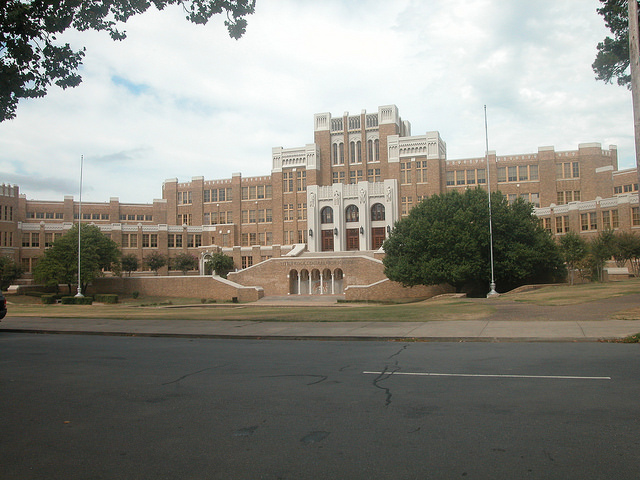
(353,239)
(377,237)
(327,240)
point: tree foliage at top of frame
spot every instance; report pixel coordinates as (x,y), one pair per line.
(612,59)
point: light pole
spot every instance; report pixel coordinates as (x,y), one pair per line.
(492,285)
(79,294)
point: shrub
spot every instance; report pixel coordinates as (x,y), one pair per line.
(48,299)
(135,294)
(76,300)
(106,298)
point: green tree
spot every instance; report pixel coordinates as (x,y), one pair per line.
(9,272)
(155,261)
(445,239)
(31,58)
(59,264)
(574,250)
(601,249)
(185,262)
(220,263)
(627,250)
(612,59)
(130,263)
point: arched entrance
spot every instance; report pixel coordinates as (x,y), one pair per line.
(294,283)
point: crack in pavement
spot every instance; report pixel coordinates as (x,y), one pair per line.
(191,374)
(321,377)
(386,373)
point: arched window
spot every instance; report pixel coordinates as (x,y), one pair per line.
(352,214)
(326,215)
(352,152)
(341,148)
(377,212)
(334,153)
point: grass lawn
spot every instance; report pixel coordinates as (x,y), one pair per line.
(429,310)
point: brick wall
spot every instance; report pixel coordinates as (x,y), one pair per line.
(211,288)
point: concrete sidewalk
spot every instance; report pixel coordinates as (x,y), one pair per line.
(458,331)
(510,321)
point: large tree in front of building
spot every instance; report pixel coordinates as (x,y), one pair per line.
(32,57)
(59,264)
(445,240)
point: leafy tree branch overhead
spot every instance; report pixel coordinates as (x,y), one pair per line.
(612,59)
(32,58)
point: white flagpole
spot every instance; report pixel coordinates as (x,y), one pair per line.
(79,294)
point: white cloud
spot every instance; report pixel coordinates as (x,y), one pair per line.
(181,100)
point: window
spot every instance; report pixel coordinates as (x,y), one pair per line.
(149,240)
(513,176)
(533,172)
(460,180)
(547,224)
(337,177)
(471,177)
(194,240)
(355,153)
(326,215)
(535,199)
(352,214)
(185,198)
(502,174)
(268,215)
(373,174)
(288,211)
(372,149)
(377,212)
(523,173)
(287,181)
(338,153)
(610,219)
(635,216)
(302,211)
(451,178)
(568,170)
(617,190)
(247,261)
(184,219)
(407,203)
(252,216)
(261,216)
(301,181)
(482,176)
(584,222)
(302,236)
(405,172)
(593,221)
(562,224)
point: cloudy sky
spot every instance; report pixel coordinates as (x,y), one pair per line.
(177,100)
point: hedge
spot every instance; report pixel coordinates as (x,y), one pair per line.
(76,300)
(105,298)
(47,299)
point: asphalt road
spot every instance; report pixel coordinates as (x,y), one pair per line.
(100,407)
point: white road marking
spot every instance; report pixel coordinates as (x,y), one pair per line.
(555,377)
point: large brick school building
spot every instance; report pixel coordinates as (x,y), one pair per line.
(340,194)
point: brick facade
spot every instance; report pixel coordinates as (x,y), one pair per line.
(344,192)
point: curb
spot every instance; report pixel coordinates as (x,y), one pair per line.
(318,337)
